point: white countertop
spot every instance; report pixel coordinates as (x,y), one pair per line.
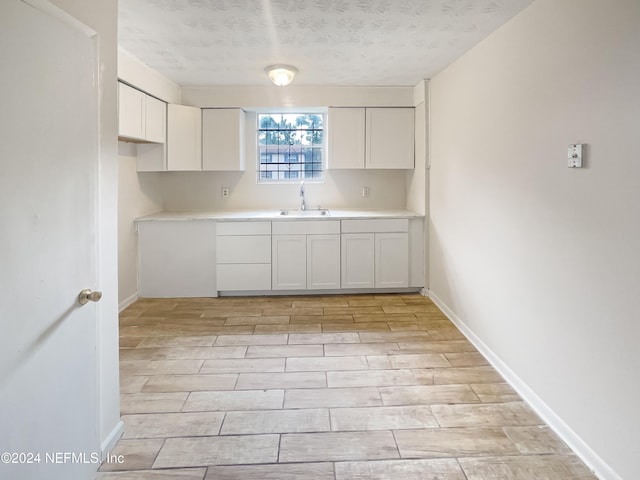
(248,215)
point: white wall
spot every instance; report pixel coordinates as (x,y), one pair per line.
(540,262)
(138,195)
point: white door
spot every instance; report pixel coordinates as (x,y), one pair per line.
(48,169)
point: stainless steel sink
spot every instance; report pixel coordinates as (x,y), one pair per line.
(305,213)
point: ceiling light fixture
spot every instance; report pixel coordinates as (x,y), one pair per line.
(281,75)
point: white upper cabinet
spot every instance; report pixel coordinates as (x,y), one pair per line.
(346,138)
(390,138)
(376,138)
(184,138)
(140,116)
(131,112)
(223,139)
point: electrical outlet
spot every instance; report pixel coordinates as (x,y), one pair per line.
(225,192)
(574,156)
(365,192)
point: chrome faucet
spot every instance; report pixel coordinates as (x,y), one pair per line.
(303,205)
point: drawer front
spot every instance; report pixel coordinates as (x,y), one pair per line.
(243,249)
(376,225)
(239,277)
(243,228)
(305,227)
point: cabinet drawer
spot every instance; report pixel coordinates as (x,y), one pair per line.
(239,277)
(305,227)
(376,225)
(243,249)
(244,228)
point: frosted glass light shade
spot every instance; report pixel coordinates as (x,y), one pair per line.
(281,75)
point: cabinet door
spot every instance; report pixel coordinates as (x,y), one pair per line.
(155,120)
(390,138)
(323,262)
(358,260)
(346,138)
(223,139)
(131,112)
(289,262)
(184,138)
(176,259)
(392,260)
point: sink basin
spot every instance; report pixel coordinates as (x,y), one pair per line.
(305,213)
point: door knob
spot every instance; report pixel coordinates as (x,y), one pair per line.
(87,295)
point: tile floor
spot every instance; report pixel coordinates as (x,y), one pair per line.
(365,387)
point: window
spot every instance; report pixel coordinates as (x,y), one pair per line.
(290,146)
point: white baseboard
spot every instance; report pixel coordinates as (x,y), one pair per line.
(599,467)
(111,440)
(127,301)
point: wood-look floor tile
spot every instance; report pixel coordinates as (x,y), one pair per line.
(132,383)
(536,440)
(131,342)
(495,392)
(243,365)
(332,397)
(323,338)
(498,415)
(336,446)
(275,351)
(443,346)
(232,311)
(355,327)
(137,454)
(405,309)
(186,330)
(445,334)
(190,383)
(428,395)
(453,442)
(276,421)
(371,378)
(276,339)
(225,450)
(170,474)
(338,350)
(387,337)
(446,376)
(292,311)
(369,301)
(157,367)
(321,319)
(289,328)
(234,400)
(415,360)
(161,425)
(466,359)
(396,317)
(291,471)
(321,302)
(204,353)
(376,310)
(152,402)
(542,467)
(258,320)
(179,341)
(382,418)
(318,364)
(265,381)
(422,469)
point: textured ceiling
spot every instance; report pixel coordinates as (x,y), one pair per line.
(335,42)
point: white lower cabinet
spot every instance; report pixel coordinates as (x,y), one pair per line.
(176,259)
(375,253)
(243,256)
(306,255)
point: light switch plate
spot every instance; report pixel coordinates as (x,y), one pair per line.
(574,155)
